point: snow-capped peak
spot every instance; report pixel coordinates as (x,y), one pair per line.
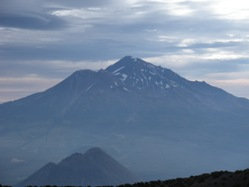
(128,74)
(136,74)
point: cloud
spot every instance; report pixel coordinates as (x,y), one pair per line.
(16,161)
(57,69)
(83,13)
(31,21)
(28,15)
(217,66)
(77,3)
(236,83)
(230,9)
(208,57)
(20,79)
(12,88)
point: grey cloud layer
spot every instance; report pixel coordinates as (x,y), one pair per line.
(31,21)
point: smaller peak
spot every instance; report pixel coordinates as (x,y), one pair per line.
(82,71)
(94,150)
(79,74)
(74,156)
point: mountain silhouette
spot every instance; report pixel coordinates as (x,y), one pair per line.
(94,168)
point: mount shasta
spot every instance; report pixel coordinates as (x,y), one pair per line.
(159,124)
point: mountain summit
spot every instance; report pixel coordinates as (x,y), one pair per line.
(140,110)
(95,168)
(128,74)
(135,74)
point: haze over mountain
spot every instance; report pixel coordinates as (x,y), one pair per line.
(94,168)
(156,122)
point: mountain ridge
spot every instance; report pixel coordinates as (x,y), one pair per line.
(115,76)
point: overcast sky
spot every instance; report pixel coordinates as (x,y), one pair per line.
(43,41)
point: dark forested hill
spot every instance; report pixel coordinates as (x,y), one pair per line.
(220,179)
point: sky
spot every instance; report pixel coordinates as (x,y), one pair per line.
(44,41)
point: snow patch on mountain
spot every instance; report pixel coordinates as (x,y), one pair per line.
(117,70)
(124,77)
(89,87)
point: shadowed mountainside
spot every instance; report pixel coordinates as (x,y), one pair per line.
(93,168)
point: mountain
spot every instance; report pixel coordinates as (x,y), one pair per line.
(94,168)
(158,123)
(87,92)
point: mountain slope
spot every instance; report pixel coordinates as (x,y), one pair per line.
(93,168)
(145,114)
